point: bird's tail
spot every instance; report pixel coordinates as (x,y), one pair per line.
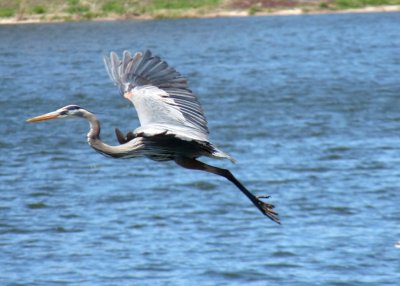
(218,154)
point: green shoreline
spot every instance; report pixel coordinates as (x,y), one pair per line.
(26,11)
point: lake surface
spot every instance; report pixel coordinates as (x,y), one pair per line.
(308,105)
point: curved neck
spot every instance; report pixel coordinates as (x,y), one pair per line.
(93,138)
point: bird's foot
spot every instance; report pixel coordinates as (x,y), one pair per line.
(263,197)
(267,209)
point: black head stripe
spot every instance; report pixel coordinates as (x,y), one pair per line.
(73,107)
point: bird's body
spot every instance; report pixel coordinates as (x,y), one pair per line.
(162,145)
(172,123)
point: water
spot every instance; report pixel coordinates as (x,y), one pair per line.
(308,105)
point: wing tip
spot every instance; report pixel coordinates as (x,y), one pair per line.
(143,68)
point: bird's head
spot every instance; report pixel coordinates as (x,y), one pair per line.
(69,111)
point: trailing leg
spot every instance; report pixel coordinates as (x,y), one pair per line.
(266,209)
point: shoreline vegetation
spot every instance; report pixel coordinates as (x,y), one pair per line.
(43,11)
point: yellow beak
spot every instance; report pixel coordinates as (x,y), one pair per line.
(47,116)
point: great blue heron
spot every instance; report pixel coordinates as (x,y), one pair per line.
(172,123)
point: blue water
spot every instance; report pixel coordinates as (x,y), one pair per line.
(308,105)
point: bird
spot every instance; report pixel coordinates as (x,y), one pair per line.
(172,122)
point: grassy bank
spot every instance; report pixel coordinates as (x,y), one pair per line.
(76,10)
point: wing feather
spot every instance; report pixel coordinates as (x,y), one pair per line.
(126,59)
(158,66)
(160,94)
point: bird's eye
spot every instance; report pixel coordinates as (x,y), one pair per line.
(63,113)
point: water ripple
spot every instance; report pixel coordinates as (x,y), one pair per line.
(308,105)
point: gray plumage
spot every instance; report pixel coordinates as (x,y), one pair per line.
(161,95)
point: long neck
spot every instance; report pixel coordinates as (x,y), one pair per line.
(93,138)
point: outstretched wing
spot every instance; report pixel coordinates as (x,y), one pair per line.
(159,93)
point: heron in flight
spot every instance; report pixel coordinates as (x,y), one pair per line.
(172,123)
